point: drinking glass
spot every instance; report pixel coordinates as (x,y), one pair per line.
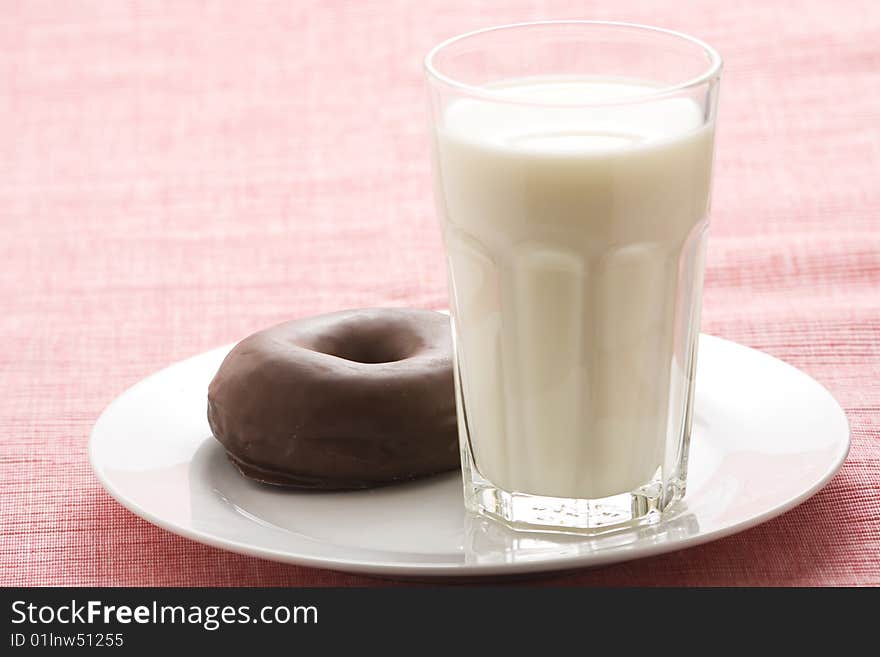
(572,164)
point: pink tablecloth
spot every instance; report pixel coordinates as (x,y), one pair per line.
(174,176)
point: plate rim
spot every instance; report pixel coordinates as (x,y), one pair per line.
(468,570)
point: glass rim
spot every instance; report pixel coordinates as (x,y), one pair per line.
(711,73)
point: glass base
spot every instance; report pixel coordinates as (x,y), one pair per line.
(524,512)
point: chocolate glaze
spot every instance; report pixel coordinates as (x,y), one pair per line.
(352,399)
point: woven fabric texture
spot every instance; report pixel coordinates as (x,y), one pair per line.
(177,175)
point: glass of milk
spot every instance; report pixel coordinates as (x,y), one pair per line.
(572,166)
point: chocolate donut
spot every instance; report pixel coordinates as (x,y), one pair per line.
(353,399)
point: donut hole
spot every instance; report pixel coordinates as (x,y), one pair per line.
(371,345)
(370,353)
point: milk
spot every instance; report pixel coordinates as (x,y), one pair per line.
(575,239)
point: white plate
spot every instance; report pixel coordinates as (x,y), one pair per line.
(766,437)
